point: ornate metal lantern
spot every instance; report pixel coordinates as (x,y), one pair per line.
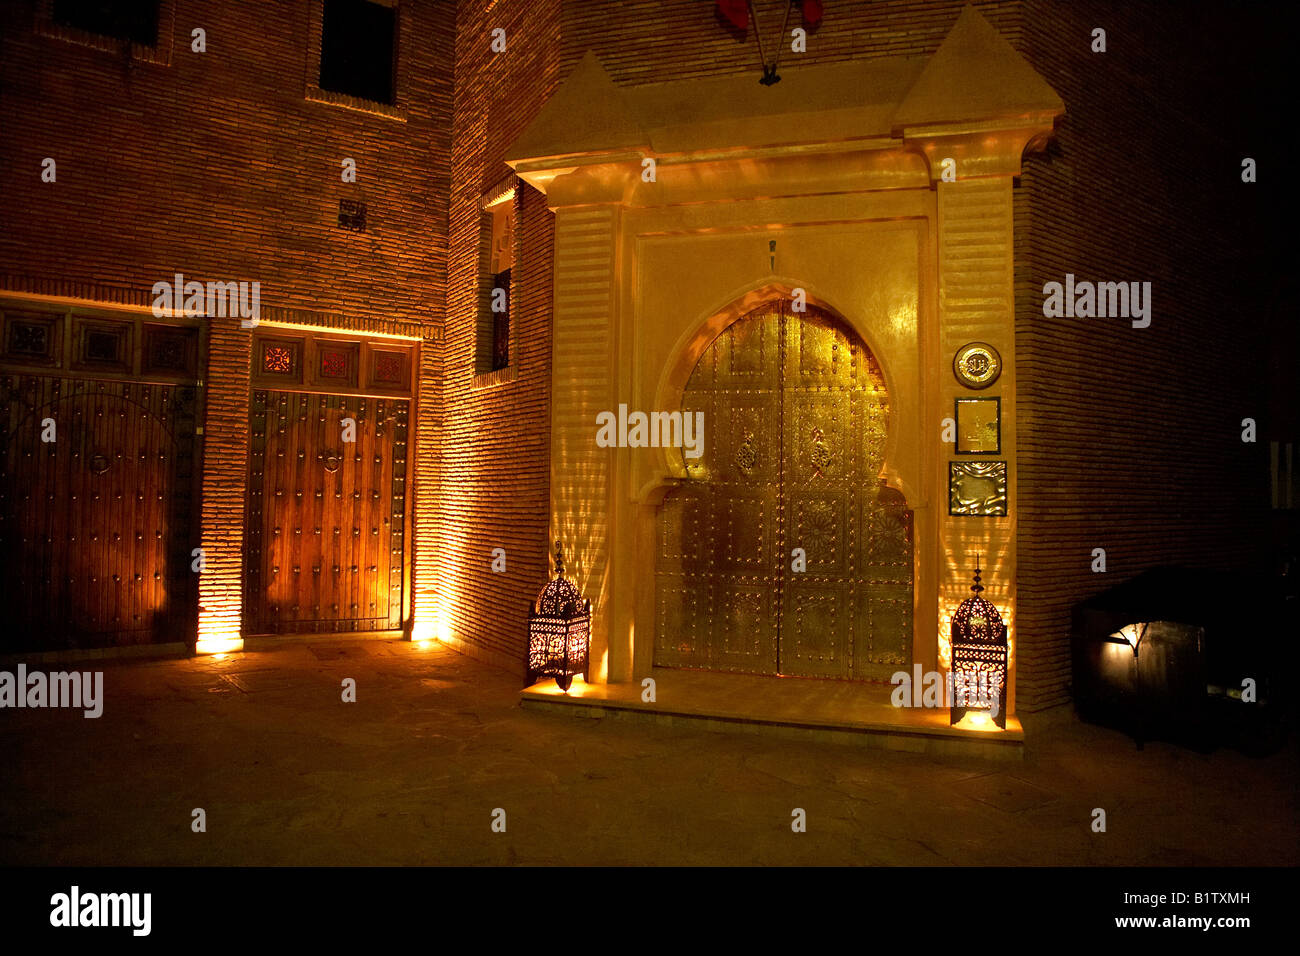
(559,630)
(979,658)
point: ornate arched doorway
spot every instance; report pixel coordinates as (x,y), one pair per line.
(784,552)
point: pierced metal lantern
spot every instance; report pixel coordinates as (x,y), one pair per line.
(559,630)
(979,659)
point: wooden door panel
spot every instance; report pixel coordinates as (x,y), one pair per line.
(326,518)
(95,525)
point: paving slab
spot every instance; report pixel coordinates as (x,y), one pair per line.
(409,774)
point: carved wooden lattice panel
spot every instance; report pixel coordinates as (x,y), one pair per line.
(326,518)
(795,409)
(95,526)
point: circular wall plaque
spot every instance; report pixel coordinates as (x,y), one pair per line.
(977,365)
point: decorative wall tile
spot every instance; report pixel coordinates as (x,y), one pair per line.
(979,426)
(977,488)
(101,345)
(170,351)
(33,338)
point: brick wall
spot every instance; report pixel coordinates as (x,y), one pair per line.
(217,165)
(1131,438)
(493,489)
(653,41)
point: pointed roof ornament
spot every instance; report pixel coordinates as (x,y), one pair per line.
(586,114)
(975,75)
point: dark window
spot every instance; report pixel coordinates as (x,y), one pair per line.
(501,322)
(358,48)
(133,20)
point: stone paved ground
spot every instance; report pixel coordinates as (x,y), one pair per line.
(410,774)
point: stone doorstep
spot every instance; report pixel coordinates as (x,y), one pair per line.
(842,712)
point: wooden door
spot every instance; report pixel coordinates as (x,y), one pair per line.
(326,517)
(95,525)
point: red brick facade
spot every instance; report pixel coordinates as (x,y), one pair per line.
(1132,437)
(220,165)
(494,445)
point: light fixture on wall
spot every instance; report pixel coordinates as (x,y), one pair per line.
(559,630)
(1131,634)
(979,659)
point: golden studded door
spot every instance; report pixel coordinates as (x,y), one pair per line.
(326,516)
(785,553)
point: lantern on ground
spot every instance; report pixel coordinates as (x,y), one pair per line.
(979,659)
(559,630)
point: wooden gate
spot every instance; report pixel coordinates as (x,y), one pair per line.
(326,517)
(785,553)
(95,524)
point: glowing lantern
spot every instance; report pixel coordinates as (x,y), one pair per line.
(559,630)
(979,658)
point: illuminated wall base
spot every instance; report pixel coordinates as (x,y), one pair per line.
(219,645)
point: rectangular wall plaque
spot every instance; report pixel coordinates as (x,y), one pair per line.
(979,426)
(977,488)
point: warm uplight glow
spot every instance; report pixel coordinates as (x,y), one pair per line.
(945,639)
(219,645)
(977,720)
(1132,633)
(430,628)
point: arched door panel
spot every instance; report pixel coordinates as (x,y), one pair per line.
(795,410)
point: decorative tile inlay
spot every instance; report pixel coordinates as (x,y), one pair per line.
(977,488)
(333,364)
(746,454)
(29,338)
(819,454)
(170,351)
(277,359)
(977,365)
(388,367)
